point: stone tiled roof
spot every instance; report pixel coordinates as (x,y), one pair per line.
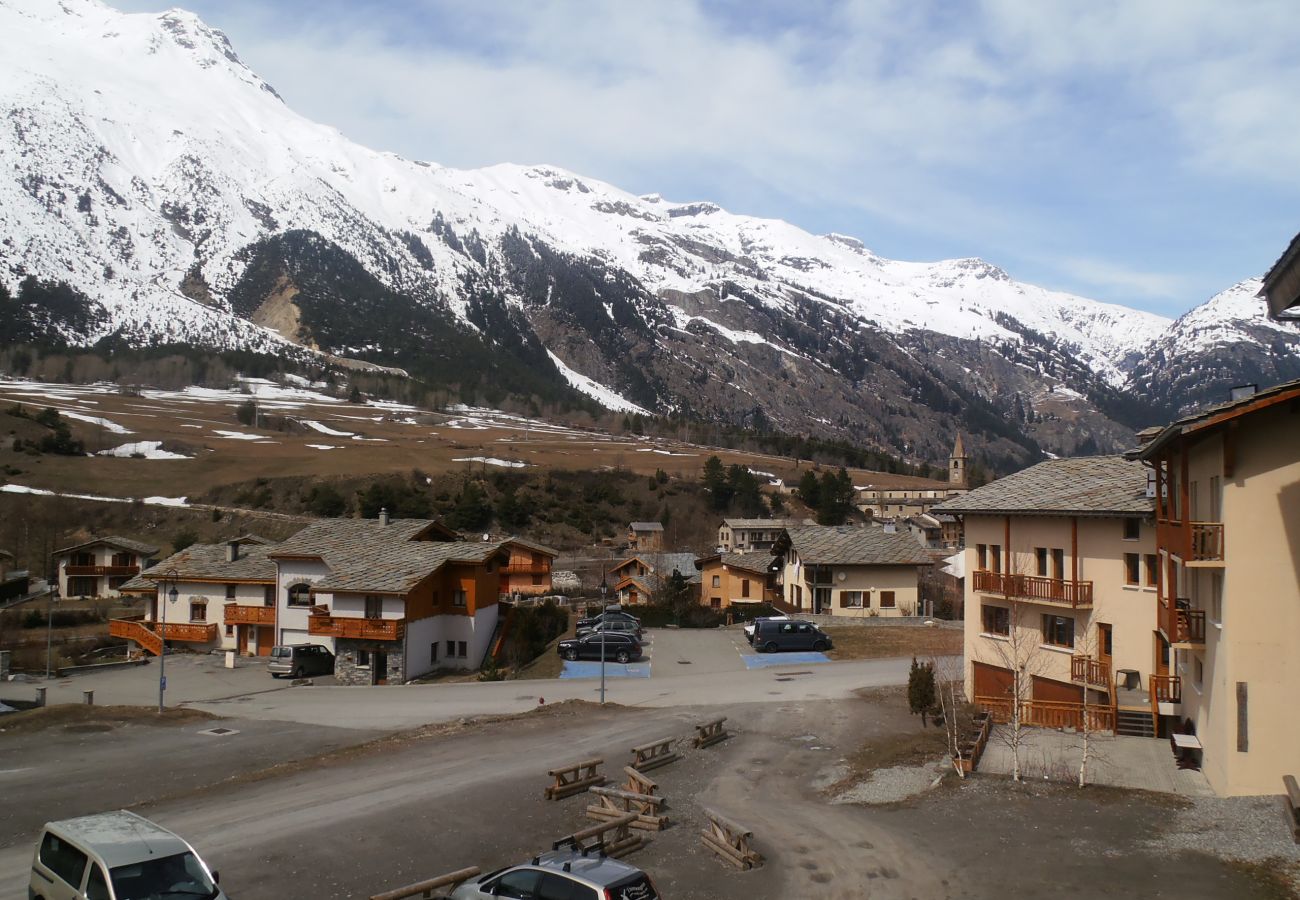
(113,540)
(733,524)
(396,567)
(664,563)
(1220,412)
(1080,486)
(207,562)
(819,545)
(531,545)
(748,562)
(647,526)
(325,535)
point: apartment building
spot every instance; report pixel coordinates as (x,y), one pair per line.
(751,535)
(848,571)
(100,566)
(1061,587)
(731,578)
(1227,486)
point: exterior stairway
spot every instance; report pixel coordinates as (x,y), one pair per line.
(135,630)
(1134,723)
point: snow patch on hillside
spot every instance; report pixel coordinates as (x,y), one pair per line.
(596,391)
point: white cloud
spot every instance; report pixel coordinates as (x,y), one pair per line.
(1099,273)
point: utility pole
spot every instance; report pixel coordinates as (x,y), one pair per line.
(604,589)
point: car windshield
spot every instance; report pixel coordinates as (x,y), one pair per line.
(181,875)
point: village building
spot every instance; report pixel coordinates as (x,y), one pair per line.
(13,581)
(734,578)
(100,566)
(1061,582)
(1227,489)
(918,498)
(645,537)
(848,571)
(638,579)
(751,535)
(528,571)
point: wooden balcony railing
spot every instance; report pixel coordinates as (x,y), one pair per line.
(1206,541)
(102,571)
(1086,670)
(1035,587)
(1190,627)
(526,569)
(1051,713)
(133,629)
(1166,688)
(149,634)
(235,614)
(357,628)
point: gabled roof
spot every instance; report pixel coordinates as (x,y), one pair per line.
(326,535)
(1223,412)
(1281,287)
(531,545)
(819,545)
(207,562)
(760,523)
(647,526)
(397,568)
(1079,486)
(756,563)
(627,562)
(113,540)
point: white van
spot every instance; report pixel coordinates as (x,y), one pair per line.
(117,856)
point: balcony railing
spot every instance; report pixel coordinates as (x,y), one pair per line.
(1035,588)
(249,615)
(1086,670)
(102,571)
(1207,541)
(526,569)
(1166,688)
(357,628)
(148,634)
(1051,713)
(133,629)
(1190,627)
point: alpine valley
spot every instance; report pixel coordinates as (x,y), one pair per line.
(145,167)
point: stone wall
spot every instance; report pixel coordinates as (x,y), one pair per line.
(347,671)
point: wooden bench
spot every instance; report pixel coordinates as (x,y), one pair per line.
(574,779)
(613,838)
(710,733)
(1293,804)
(614,804)
(654,754)
(730,841)
(425,889)
(637,783)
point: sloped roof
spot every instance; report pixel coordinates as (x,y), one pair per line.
(531,545)
(647,526)
(665,563)
(760,523)
(1279,303)
(326,535)
(1221,412)
(747,562)
(207,562)
(1079,486)
(820,545)
(397,567)
(113,540)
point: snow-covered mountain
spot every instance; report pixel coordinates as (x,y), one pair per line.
(142,163)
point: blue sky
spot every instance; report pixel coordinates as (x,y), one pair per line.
(1142,152)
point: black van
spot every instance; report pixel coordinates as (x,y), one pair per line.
(795,634)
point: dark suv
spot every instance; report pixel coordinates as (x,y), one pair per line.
(773,635)
(621,648)
(567,874)
(608,616)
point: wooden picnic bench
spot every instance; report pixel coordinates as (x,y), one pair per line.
(574,779)
(612,838)
(638,783)
(654,754)
(1293,804)
(614,804)
(425,889)
(730,841)
(710,733)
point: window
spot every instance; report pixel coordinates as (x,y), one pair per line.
(995,554)
(555,886)
(744,587)
(230,593)
(300,594)
(1058,631)
(996,620)
(82,559)
(981,556)
(230,631)
(374,607)
(1131,568)
(717,581)
(1132,529)
(886,599)
(63,859)
(1152,570)
(97,884)
(715,602)
(198,610)
(363,659)
(462,649)
(1058,564)
(851,599)
(458,598)
(268,595)
(123,559)
(451,649)
(433,652)
(1040,559)
(520,884)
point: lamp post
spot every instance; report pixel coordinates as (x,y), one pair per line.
(172,575)
(604,589)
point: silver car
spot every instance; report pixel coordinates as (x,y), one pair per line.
(566,874)
(300,661)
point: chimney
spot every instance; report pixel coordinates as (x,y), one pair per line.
(1242,391)
(232,551)
(383,517)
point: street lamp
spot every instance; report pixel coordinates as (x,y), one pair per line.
(604,589)
(171,575)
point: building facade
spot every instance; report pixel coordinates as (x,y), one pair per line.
(528,571)
(734,578)
(751,535)
(848,571)
(645,537)
(100,566)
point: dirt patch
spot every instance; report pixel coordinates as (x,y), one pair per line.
(81,718)
(1276,879)
(867,642)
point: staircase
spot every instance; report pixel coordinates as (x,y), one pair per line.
(135,630)
(1134,723)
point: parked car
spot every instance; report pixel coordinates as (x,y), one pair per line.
(749,626)
(613,626)
(589,621)
(618,647)
(117,856)
(300,661)
(563,873)
(790,635)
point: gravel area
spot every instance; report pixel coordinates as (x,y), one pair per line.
(1246,828)
(893,785)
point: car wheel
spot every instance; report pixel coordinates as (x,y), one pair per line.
(770,647)
(275,674)
(820,646)
(623,656)
(297,673)
(570,654)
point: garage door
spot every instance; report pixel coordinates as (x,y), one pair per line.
(992,681)
(290,636)
(1057,691)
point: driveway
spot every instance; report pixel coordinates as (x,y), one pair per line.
(696,651)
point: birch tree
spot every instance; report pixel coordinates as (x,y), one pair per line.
(1020,651)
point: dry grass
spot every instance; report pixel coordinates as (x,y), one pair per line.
(549,665)
(872,642)
(78,717)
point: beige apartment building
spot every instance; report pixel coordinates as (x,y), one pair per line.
(731,578)
(848,571)
(751,535)
(1227,481)
(1061,590)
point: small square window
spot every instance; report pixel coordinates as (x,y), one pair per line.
(886,599)
(1131,572)
(363,659)
(230,592)
(230,631)
(451,649)
(1132,529)
(458,598)
(1152,570)
(996,620)
(462,649)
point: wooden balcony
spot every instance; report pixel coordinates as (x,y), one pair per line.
(235,614)
(1051,713)
(1035,588)
(526,569)
(102,571)
(1190,627)
(134,629)
(1086,670)
(1206,544)
(1166,688)
(356,628)
(149,634)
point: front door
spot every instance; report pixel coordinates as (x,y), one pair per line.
(379,667)
(1161,666)
(265,640)
(1104,645)
(822,600)
(242,639)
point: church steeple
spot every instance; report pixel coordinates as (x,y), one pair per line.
(957,464)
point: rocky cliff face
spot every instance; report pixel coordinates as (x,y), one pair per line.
(145,166)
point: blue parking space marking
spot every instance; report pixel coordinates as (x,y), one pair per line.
(588,669)
(768,660)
